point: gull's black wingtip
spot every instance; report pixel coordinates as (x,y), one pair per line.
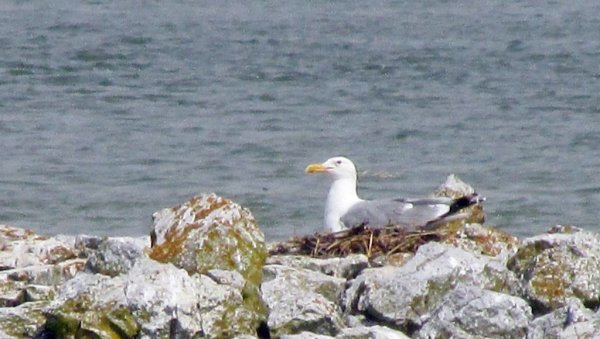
(466,201)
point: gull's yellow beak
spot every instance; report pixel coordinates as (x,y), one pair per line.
(315,168)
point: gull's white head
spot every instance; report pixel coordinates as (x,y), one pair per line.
(342,193)
(336,168)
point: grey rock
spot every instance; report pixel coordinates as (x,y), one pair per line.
(346,267)
(556,266)
(50,275)
(39,293)
(572,320)
(167,294)
(209,232)
(301,300)
(21,321)
(486,240)
(12,293)
(153,300)
(305,335)
(454,187)
(470,311)
(402,295)
(229,278)
(371,332)
(112,256)
(23,248)
(198,303)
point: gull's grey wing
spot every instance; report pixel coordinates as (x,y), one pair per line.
(404,212)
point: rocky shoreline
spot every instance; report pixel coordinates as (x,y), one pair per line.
(205,271)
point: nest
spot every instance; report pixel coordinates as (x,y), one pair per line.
(375,242)
(372,242)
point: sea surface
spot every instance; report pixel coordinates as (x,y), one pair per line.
(112,110)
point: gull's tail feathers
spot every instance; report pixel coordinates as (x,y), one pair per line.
(453,214)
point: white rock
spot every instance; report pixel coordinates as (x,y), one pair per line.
(472,311)
(347,267)
(371,332)
(572,320)
(302,300)
(113,256)
(305,335)
(556,266)
(402,295)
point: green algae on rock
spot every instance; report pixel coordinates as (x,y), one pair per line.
(209,232)
(152,300)
(90,306)
(484,240)
(559,265)
(22,321)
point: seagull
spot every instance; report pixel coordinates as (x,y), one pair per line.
(344,209)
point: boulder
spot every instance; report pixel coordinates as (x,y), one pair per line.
(31,266)
(371,332)
(559,265)
(347,267)
(209,232)
(486,240)
(152,299)
(302,300)
(23,248)
(404,296)
(305,335)
(49,275)
(22,321)
(470,311)
(453,187)
(572,320)
(111,256)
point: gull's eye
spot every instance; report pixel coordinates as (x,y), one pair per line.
(339,162)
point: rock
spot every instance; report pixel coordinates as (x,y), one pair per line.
(485,240)
(23,248)
(572,320)
(198,304)
(395,259)
(302,300)
(21,321)
(556,266)
(371,332)
(49,275)
(152,299)
(90,305)
(305,335)
(402,296)
(453,187)
(229,278)
(12,293)
(347,267)
(111,256)
(29,262)
(39,293)
(209,232)
(470,311)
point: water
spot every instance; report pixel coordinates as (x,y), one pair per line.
(111,110)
